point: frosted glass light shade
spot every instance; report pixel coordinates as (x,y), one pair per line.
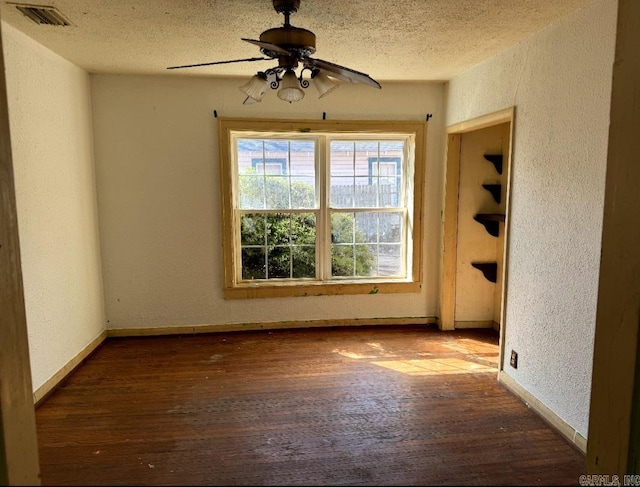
(255,88)
(290,90)
(324,84)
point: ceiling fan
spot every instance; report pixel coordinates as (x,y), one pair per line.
(292,47)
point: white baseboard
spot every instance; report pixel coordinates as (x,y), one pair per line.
(45,389)
(544,412)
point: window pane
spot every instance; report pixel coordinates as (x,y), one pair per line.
(278,229)
(352,260)
(277,192)
(342,264)
(251,192)
(391,227)
(302,162)
(341,158)
(252,230)
(276,146)
(303,192)
(342,192)
(249,154)
(366,260)
(253,263)
(367,227)
(391,147)
(342,228)
(385,166)
(303,228)
(390,260)
(279,259)
(304,261)
(366,192)
(389,191)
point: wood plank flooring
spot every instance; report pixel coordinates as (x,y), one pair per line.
(379,405)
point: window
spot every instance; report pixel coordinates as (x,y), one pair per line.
(316,207)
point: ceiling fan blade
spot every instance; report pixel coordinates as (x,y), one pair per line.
(221,62)
(341,72)
(267,46)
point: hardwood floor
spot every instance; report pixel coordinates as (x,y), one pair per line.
(376,405)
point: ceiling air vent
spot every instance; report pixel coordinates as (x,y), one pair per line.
(44,15)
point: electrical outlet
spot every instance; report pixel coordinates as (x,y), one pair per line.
(514,359)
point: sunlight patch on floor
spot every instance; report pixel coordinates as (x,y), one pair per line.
(355,355)
(381,349)
(466,345)
(440,366)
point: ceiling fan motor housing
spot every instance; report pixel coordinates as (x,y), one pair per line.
(295,39)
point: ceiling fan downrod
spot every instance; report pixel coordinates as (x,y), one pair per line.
(286,7)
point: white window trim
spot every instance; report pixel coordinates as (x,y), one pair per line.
(234,288)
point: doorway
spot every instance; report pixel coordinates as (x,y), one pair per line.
(475,223)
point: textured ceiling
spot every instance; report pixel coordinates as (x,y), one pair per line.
(389,40)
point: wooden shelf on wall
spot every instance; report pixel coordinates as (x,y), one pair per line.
(491,222)
(489,269)
(496,160)
(495,190)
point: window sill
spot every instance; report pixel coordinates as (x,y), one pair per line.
(283,290)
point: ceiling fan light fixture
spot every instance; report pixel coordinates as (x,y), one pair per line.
(290,87)
(256,87)
(324,84)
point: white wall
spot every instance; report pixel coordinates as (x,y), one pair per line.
(50,123)
(560,83)
(159,200)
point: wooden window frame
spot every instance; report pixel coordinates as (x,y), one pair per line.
(233,289)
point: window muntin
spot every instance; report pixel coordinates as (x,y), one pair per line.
(367,209)
(278,245)
(293,186)
(371,240)
(366,195)
(275,243)
(385,227)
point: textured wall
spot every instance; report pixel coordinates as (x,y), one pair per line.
(50,122)
(159,201)
(560,82)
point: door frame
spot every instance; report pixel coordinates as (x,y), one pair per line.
(450,217)
(18,443)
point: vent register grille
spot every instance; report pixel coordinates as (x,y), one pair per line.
(43,15)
